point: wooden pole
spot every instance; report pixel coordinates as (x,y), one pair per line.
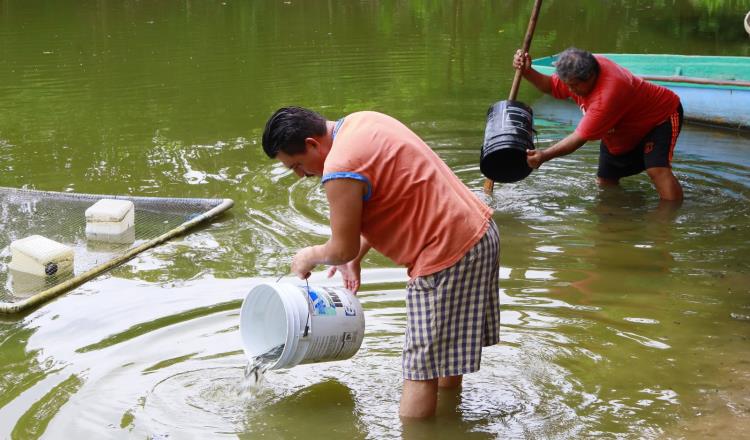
(489,185)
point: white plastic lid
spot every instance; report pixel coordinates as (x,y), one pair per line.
(108,210)
(42,249)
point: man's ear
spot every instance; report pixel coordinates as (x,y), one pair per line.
(312,142)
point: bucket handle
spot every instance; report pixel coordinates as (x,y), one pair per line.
(309,309)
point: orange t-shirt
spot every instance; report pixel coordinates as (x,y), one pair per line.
(416,211)
(621,109)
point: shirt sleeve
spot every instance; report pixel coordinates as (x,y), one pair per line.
(347,160)
(559,89)
(343,157)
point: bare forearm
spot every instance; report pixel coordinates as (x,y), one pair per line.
(329,254)
(571,143)
(364,248)
(522,63)
(345,199)
(539,80)
(535,158)
(334,254)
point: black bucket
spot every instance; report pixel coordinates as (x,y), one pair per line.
(507,136)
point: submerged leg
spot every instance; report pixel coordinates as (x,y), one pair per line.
(450,381)
(666,183)
(604,182)
(419,398)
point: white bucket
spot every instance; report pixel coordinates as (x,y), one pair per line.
(325,325)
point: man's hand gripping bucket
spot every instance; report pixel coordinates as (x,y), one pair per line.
(287,324)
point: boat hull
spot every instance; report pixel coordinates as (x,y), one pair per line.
(723,107)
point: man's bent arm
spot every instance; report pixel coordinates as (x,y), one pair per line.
(364,248)
(522,62)
(571,143)
(345,244)
(541,81)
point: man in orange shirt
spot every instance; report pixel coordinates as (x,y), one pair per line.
(638,122)
(388,190)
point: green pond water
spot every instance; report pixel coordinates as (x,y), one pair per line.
(619,319)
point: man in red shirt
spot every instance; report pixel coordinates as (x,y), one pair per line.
(638,122)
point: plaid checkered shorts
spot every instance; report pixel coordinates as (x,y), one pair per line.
(453,313)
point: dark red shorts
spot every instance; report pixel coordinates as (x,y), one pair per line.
(654,150)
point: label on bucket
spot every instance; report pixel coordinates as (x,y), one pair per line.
(337,325)
(325,301)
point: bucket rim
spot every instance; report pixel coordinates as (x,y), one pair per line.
(284,295)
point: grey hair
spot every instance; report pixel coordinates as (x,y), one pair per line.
(576,64)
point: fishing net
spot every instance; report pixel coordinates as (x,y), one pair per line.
(61,217)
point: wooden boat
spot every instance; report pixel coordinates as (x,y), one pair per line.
(714,90)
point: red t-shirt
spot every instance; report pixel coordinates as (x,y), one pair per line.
(621,109)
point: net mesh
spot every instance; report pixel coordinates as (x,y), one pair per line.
(61,217)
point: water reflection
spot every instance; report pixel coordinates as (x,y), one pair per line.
(629,235)
(619,320)
(324,410)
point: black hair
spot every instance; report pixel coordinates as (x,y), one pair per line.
(287,129)
(576,64)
